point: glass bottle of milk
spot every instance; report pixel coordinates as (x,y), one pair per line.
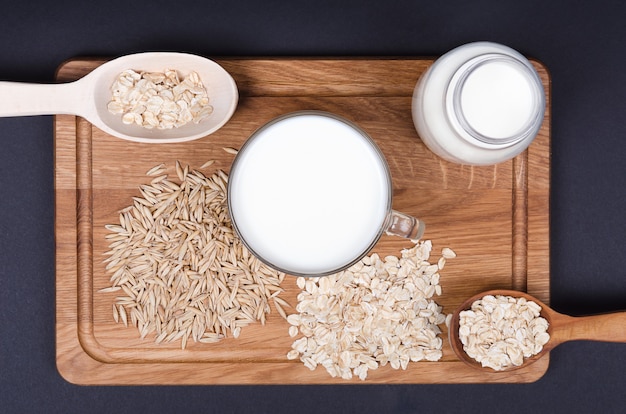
(479,104)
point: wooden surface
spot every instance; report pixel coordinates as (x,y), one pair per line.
(496,218)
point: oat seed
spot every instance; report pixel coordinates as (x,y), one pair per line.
(232,151)
(207,164)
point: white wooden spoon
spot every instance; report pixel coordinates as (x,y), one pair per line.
(88,97)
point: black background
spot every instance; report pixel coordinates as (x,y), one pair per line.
(583,44)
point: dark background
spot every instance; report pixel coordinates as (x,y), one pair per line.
(581,42)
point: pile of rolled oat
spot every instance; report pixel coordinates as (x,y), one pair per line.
(500,331)
(159,100)
(377,312)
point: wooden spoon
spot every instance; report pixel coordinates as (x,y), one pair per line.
(88,97)
(609,327)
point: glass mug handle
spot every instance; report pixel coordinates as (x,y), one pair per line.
(403,225)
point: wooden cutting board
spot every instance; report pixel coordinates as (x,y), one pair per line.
(496,218)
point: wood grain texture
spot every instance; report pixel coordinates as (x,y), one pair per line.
(496,218)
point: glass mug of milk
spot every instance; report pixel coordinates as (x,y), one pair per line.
(310,193)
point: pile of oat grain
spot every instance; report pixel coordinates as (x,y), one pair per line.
(177,267)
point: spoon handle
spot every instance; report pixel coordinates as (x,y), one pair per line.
(23,99)
(610,327)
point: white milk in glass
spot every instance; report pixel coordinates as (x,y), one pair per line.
(309,194)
